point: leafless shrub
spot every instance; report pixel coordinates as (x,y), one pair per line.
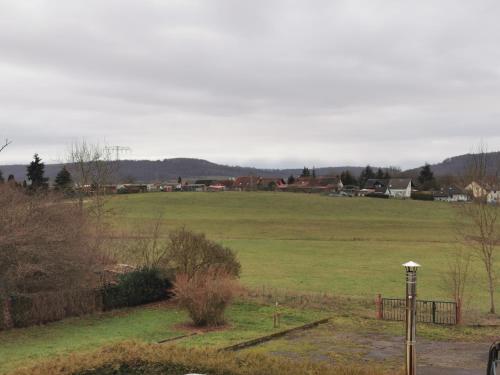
(458,276)
(206,295)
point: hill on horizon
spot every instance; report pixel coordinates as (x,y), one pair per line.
(457,165)
(189,168)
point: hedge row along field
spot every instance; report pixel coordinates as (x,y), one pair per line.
(132,289)
(152,359)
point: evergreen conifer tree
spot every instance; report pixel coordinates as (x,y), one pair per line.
(426,178)
(35,173)
(380,174)
(305,172)
(365,175)
(347,178)
(63,180)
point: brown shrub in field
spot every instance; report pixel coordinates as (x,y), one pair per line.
(206,295)
(152,359)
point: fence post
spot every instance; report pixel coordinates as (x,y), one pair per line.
(433,312)
(458,311)
(378,306)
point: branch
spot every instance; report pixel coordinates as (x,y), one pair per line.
(7,142)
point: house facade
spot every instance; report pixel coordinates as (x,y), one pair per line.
(394,187)
(399,188)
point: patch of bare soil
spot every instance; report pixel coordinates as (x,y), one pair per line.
(325,343)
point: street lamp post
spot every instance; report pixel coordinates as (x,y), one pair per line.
(411,316)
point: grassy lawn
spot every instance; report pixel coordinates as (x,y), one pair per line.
(308,242)
(19,347)
(301,242)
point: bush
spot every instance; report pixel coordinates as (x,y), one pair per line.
(206,295)
(135,288)
(191,252)
(152,359)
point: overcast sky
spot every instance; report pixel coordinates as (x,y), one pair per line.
(263,83)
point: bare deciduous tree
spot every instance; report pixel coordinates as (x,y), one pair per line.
(6,143)
(480,228)
(44,244)
(93,169)
(457,277)
(148,245)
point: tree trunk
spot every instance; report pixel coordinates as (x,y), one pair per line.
(491,288)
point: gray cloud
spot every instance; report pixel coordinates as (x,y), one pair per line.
(276,83)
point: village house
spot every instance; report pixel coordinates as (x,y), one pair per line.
(245,183)
(493,196)
(476,190)
(321,184)
(399,188)
(271,183)
(488,192)
(394,187)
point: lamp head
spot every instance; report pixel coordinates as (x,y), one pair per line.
(411,266)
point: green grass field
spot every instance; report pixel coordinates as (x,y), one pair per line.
(21,347)
(308,242)
(300,242)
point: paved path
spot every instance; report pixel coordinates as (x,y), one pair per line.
(448,371)
(327,344)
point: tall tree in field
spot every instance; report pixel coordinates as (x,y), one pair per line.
(93,167)
(480,225)
(35,173)
(63,180)
(347,178)
(291,180)
(365,175)
(380,174)
(426,178)
(305,172)
(313,172)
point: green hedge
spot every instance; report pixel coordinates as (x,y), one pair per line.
(422,196)
(44,307)
(136,288)
(2,323)
(21,310)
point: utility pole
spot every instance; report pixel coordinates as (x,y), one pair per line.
(411,317)
(118,150)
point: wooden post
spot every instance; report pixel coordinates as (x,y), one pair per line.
(378,306)
(458,311)
(276,316)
